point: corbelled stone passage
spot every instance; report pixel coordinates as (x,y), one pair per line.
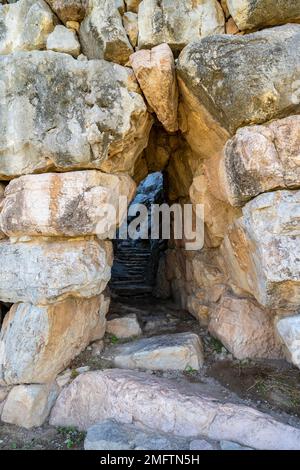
(107,106)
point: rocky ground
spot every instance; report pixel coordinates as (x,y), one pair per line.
(270,386)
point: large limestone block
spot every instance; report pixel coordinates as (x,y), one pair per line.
(29,405)
(167,406)
(288,329)
(60,113)
(25,25)
(36,343)
(260,159)
(65,204)
(175,352)
(262,249)
(155,72)
(102,35)
(230,81)
(42,271)
(250,14)
(245,329)
(177,23)
(69,10)
(63,40)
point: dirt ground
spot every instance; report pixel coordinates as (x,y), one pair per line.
(269,386)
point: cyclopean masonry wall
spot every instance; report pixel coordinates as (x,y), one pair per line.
(222,123)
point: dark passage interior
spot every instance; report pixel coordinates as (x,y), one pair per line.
(136,261)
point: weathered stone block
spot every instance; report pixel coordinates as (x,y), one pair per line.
(36,343)
(230,81)
(25,25)
(245,329)
(29,405)
(260,159)
(178,23)
(65,204)
(102,35)
(155,72)
(168,407)
(261,249)
(43,271)
(69,10)
(63,114)
(250,14)
(288,329)
(174,351)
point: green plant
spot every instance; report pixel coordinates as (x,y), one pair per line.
(216,345)
(74,374)
(114,339)
(72,435)
(189,370)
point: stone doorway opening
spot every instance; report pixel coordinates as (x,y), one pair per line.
(136,260)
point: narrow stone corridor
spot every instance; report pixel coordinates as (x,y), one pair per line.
(133,269)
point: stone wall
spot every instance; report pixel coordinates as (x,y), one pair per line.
(94,95)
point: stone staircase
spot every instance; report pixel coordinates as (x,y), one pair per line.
(133,269)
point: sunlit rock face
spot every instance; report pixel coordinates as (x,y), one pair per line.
(178,23)
(230,81)
(65,204)
(261,249)
(260,159)
(254,14)
(102,34)
(25,26)
(33,339)
(43,271)
(66,114)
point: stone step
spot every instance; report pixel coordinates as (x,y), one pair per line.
(166,352)
(167,406)
(110,435)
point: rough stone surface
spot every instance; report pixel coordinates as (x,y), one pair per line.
(253,14)
(177,23)
(133,5)
(63,114)
(200,444)
(25,26)
(166,406)
(130,22)
(261,249)
(64,40)
(111,435)
(65,204)
(229,445)
(36,343)
(288,329)
(69,10)
(230,81)
(176,352)
(4,391)
(218,215)
(262,158)
(155,72)
(102,35)
(245,329)
(29,405)
(43,271)
(124,327)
